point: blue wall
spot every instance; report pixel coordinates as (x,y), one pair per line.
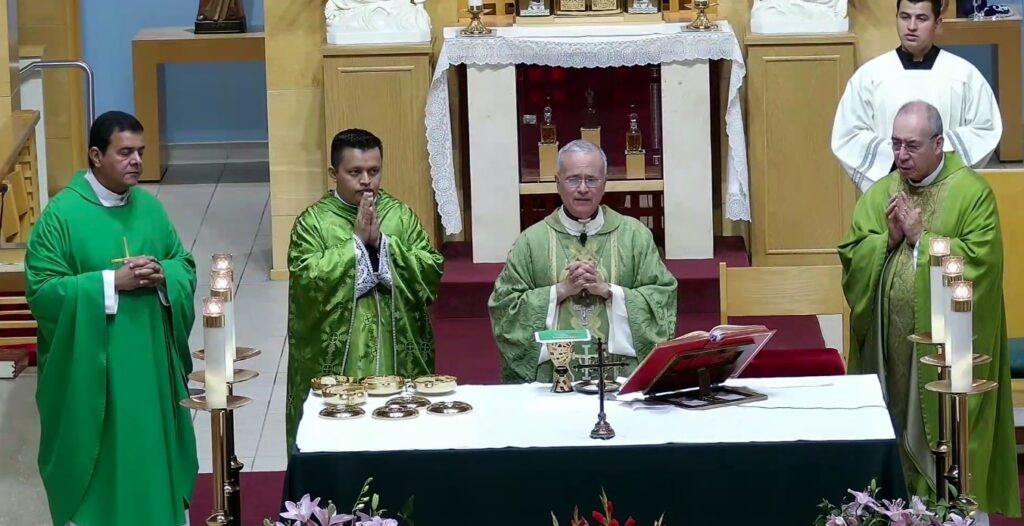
(219,102)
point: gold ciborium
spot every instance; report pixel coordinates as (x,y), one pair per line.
(562,354)
(701,22)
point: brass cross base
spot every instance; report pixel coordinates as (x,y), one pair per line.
(602,429)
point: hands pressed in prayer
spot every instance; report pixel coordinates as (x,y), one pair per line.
(893,220)
(367,227)
(910,220)
(137,272)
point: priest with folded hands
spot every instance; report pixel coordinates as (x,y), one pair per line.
(585,266)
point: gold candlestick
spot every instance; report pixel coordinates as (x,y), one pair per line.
(701,22)
(220,515)
(476,27)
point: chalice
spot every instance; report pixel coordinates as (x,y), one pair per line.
(561,354)
(701,22)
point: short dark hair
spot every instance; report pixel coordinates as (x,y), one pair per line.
(106,125)
(936,5)
(353,138)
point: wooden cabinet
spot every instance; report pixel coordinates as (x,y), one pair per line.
(801,199)
(383,89)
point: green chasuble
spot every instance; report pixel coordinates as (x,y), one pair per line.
(346,318)
(625,255)
(115,445)
(889,296)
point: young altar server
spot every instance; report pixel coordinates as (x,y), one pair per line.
(362,273)
(885,260)
(916,70)
(584,266)
(112,288)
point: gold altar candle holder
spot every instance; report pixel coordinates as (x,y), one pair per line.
(941,450)
(701,22)
(476,27)
(221,514)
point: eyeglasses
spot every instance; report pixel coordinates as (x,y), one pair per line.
(575,181)
(911,146)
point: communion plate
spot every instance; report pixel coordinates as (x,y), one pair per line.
(341,412)
(435,384)
(395,413)
(412,402)
(590,387)
(449,408)
(383,385)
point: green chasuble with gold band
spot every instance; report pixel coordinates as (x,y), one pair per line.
(345,316)
(889,296)
(116,447)
(625,255)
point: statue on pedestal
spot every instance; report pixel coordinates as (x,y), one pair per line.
(799,16)
(376,22)
(220,16)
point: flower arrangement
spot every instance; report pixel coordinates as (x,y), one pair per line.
(308,512)
(602,517)
(865,510)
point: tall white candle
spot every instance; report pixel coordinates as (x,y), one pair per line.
(216,353)
(938,248)
(952,273)
(961,325)
(222,287)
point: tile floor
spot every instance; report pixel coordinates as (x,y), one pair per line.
(216,208)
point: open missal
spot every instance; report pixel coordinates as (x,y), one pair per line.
(690,371)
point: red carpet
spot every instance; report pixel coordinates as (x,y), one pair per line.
(261,497)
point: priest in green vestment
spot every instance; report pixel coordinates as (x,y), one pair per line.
(584,266)
(112,288)
(362,274)
(886,281)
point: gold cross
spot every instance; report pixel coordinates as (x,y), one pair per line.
(127,254)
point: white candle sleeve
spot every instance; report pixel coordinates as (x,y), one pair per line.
(216,360)
(962,368)
(229,340)
(939,304)
(947,312)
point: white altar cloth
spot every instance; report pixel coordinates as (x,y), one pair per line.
(583,47)
(528,415)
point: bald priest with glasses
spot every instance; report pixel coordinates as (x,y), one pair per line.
(585,266)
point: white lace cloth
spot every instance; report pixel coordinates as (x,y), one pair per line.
(583,47)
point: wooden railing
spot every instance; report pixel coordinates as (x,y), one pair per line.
(19,171)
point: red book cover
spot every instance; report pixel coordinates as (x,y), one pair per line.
(673,365)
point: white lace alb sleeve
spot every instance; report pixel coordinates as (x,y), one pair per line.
(366,278)
(384,263)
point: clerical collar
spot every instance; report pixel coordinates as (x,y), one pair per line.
(343,201)
(926,62)
(931,178)
(106,197)
(578,227)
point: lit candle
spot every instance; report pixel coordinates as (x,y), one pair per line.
(216,353)
(961,328)
(938,248)
(222,262)
(952,273)
(222,288)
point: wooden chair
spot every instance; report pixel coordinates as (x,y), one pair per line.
(784,291)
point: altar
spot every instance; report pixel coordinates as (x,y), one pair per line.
(524,452)
(508,101)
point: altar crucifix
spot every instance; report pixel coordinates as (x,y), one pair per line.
(602,429)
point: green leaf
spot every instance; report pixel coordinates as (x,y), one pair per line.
(266,522)
(375,502)
(554,520)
